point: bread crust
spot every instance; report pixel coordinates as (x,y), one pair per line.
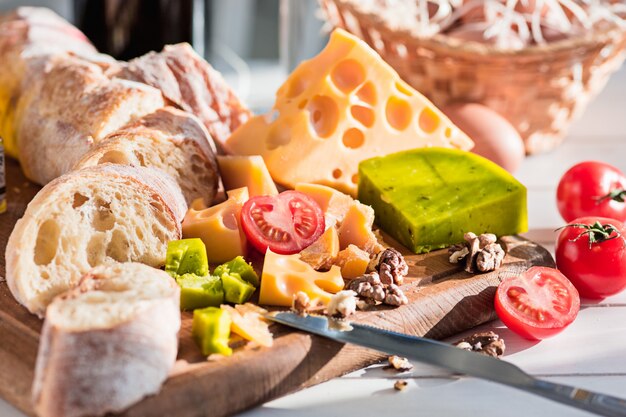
(169,139)
(93,371)
(35,282)
(189,82)
(68,108)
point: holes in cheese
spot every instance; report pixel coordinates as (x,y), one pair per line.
(428,120)
(363,115)
(350,106)
(398,113)
(353,138)
(367,94)
(348,75)
(324,114)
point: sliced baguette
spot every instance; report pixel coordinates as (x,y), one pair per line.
(86,218)
(190,83)
(107,343)
(169,139)
(69,107)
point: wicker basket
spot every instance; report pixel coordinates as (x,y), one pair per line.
(540,89)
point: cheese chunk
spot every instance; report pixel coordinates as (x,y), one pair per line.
(246,171)
(428,198)
(219,228)
(352,261)
(285,275)
(337,109)
(356,229)
(322,252)
(333,203)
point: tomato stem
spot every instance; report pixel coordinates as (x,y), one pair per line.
(618,195)
(597,232)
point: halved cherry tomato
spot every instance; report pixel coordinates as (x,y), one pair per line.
(592,189)
(537,304)
(591,253)
(286,223)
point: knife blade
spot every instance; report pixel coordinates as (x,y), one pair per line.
(453,359)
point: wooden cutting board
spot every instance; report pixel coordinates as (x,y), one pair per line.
(444,300)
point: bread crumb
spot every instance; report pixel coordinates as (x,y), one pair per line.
(400,385)
(400,364)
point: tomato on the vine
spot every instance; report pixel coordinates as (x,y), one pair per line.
(592,189)
(285,223)
(537,304)
(591,252)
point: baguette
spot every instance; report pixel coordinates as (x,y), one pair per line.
(68,108)
(171,140)
(190,83)
(27,35)
(86,218)
(107,343)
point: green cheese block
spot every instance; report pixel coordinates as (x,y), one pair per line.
(186,256)
(236,290)
(198,292)
(241,267)
(428,198)
(211,330)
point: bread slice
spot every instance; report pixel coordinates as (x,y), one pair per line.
(68,108)
(94,216)
(190,83)
(169,139)
(107,343)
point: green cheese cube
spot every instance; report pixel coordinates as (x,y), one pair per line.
(186,256)
(241,267)
(199,292)
(236,290)
(428,198)
(211,330)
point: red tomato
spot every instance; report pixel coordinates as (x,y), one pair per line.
(593,256)
(286,223)
(592,189)
(537,304)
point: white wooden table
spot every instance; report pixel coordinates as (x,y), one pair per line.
(591,353)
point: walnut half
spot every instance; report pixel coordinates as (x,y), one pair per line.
(480,253)
(487,343)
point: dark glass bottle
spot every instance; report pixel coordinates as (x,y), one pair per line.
(128,28)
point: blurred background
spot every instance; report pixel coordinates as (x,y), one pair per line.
(241,38)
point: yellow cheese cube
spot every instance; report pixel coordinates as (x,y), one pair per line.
(352,261)
(322,252)
(285,275)
(334,204)
(356,229)
(219,228)
(337,109)
(240,195)
(246,171)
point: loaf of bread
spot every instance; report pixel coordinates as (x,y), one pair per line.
(68,108)
(98,215)
(107,343)
(190,83)
(169,139)
(27,36)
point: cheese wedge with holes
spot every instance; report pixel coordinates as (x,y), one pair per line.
(285,275)
(337,109)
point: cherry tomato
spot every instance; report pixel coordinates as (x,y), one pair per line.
(591,252)
(286,223)
(537,304)
(592,189)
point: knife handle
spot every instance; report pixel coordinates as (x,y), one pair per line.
(602,404)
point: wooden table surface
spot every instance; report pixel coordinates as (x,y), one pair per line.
(591,353)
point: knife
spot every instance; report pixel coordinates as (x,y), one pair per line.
(453,359)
